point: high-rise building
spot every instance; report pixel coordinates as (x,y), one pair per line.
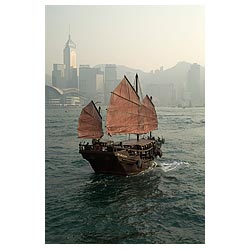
(100,86)
(69,59)
(171,97)
(100,82)
(88,81)
(58,76)
(110,81)
(193,84)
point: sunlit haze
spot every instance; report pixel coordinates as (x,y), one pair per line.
(142,37)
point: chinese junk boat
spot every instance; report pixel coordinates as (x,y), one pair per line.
(126,114)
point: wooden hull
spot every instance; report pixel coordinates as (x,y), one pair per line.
(116,163)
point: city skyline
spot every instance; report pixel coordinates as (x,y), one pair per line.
(126,35)
(185,85)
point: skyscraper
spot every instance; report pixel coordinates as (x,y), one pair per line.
(69,59)
(88,80)
(58,76)
(110,81)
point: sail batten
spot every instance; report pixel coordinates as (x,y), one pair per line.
(127,99)
(90,122)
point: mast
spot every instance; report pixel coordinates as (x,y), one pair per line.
(150,133)
(136,89)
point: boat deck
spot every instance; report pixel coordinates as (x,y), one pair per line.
(141,142)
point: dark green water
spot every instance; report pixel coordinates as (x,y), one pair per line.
(164,205)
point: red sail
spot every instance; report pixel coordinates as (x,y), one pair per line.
(123,110)
(90,122)
(127,115)
(150,116)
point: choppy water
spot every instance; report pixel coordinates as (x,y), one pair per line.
(164,205)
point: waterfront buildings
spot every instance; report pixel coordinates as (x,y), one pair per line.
(56,97)
(68,89)
(64,90)
(182,85)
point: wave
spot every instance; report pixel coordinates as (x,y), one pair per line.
(170,166)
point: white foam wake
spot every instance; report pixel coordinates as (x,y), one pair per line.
(166,167)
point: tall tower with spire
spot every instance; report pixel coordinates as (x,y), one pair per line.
(69,60)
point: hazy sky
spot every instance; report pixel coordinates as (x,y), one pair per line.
(142,37)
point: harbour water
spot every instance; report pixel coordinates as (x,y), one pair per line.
(164,205)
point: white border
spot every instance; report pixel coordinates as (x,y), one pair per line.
(227,125)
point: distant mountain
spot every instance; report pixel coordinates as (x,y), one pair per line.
(176,75)
(124,70)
